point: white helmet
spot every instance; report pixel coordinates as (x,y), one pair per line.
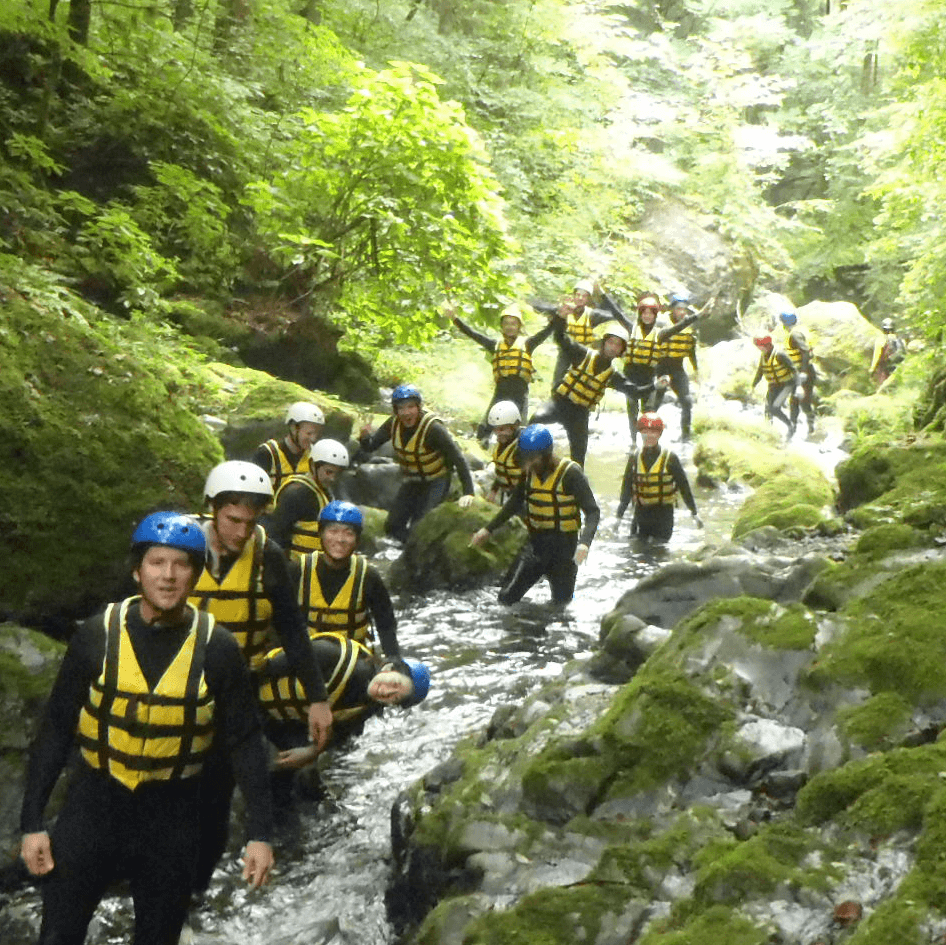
(503,412)
(328,451)
(617,330)
(584,285)
(303,412)
(235,475)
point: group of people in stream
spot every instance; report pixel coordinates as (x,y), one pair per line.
(258,620)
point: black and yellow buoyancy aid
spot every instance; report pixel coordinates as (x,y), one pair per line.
(654,486)
(773,370)
(137,734)
(238,602)
(282,467)
(305,532)
(548,506)
(581,385)
(284,698)
(643,350)
(506,465)
(579,327)
(680,346)
(347,613)
(413,454)
(512,360)
(795,353)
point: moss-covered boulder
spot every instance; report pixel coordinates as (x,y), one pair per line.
(734,449)
(791,501)
(842,341)
(438,552)
(99,422)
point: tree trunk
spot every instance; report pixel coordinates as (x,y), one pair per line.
(80,18)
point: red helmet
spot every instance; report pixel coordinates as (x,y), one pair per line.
(650,421)
(762,341)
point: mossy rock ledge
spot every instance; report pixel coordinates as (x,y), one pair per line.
(766,763)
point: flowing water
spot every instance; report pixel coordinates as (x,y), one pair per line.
(329,889)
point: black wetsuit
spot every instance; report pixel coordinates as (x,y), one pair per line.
(679,382)
(107,832)
(778,393)
(654,521)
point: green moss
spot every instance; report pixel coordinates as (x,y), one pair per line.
(762,621)
(789,500)
(892,921)
(719,925)
(874,723)
(730,450)
(882,539)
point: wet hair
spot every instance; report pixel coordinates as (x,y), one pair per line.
(253,499)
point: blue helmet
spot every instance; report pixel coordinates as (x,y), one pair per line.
(173,530)
(679,299)
(344,513)
(536,438)
(788,318)
(420,676)
(405,392)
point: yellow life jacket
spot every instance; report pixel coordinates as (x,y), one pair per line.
(579,328)
(506,465)
(794,353)
(284,698)
(654,486)
(643,350)
(238,602)
(136,734)
(347,613)
(413,455)
(680,346)
(548,506)
(581,385)
(773,370)
(512,360)
(305,532)
(282,466)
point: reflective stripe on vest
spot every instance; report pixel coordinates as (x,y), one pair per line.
(548,506)
(654,486)
(643,349)
(413,455)
(284,698)
(680,346)
(581,385)
(347,613)
(238,602)
(774,371)
(136,734)
(506,465)
(281,466)
(305,532)
(796,354)
(579,328)
(512,360)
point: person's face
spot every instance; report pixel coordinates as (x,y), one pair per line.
(510,326)
(338,541)
(582,298)
(650,437)
(612,346)
(647,311)
(305,433)
(530,462)
(234,525)
(389,688)
(408,412)
(326,473)
(166,577)
(505,433)
(677,312)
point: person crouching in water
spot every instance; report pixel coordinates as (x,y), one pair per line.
(143,691)
(552,498)
(504,418)
(652,480)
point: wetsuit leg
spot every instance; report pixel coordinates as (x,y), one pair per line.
(432,494)
(627,484)
(654,522)
(527,569)
(575,421)
(775,399)
(633,409)
(216,794)
(680,383)
(560,567)
(403,509)
(547,413)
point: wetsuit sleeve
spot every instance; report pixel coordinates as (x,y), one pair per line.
(483,340)
(546,308)
(370,442)
(576,482)
(440,439)
(262,458)
(620,382)
(289,623)
(573,350)
(682,482)
(611,309)
(382,611)
(50,750)
(237,720)
(671,330)
(758,374)
(599,316)
(533,341)
(295,503)
(512,506)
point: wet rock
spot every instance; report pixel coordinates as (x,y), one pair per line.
(791,502)
(374,483)
(758,746)
(626,643)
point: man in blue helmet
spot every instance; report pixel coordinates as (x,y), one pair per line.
(142,692)
(426,452)
(798,349)
(559,509)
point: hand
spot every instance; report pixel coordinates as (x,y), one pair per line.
(663,382)
(364,431)
(465,501)
(799,391)
(320,724)
(565,309)
(296,758)
(37,853)
(257,862)
(697,520)
(581,552)
(479,537)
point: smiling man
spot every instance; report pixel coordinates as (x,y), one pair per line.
(144,690)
